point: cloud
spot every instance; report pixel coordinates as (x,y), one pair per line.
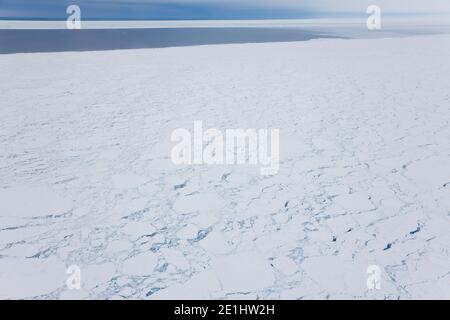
(419,6)
(166,9)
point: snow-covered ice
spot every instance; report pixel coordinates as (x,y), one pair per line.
(86,177)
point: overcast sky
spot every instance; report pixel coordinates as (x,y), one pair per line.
(212,9)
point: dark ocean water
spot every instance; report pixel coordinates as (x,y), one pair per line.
(15,41)
(60,40)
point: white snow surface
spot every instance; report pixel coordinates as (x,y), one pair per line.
(86,177)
